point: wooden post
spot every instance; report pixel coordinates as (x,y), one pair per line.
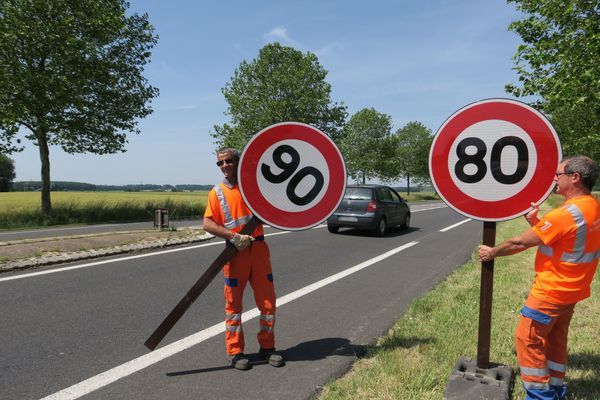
(197,289)
(485,299)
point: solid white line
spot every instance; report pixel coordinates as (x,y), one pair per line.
(96,263)
(446,229)
(112,375)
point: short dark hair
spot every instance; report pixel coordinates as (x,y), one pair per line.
(585,167)
(235,153)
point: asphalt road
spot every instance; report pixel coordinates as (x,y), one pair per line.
(80,332)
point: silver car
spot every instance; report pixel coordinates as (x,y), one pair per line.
(373,207)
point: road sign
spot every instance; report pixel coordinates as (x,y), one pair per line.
(292,176)
(492,158)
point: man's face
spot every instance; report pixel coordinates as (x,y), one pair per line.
(563,181)
(228,165)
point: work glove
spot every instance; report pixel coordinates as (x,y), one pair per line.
(241,241)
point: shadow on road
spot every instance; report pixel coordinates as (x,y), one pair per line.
(306,351)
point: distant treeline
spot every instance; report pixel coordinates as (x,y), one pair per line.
(60,186)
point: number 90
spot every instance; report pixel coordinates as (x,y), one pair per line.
(288,169)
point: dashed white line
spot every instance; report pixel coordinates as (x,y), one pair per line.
(446,229)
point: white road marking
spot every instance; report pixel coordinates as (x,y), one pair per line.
(430,208)
(96,263)
(446,229)
(112,375)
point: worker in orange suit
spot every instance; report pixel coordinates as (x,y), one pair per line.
(568,240)
(225,216)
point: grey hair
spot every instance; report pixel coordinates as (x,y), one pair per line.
(235,153)
(585,167)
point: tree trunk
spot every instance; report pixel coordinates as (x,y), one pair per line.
(407,185)
(42,138)
(364,178)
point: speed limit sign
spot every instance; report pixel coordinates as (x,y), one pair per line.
(292,176)
(491,159)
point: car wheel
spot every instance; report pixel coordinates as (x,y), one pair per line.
(333,229)
(406,223)
(381,227)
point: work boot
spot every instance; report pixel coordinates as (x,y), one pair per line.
(239,361)
(271,357)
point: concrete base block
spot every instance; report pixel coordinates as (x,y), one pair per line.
(469,382)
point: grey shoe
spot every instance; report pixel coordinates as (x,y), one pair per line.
(271,357)
(239,361)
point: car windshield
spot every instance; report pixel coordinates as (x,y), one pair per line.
(353,193)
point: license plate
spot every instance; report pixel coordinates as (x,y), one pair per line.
(347,219)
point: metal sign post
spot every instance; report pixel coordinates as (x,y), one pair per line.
(485,299)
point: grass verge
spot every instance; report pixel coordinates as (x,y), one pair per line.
(417,356)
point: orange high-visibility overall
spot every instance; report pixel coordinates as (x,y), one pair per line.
(227,208)
(564,268)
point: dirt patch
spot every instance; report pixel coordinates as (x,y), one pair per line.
(10,251)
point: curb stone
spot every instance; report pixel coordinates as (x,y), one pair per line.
(56,258)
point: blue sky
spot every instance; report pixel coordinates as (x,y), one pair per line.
(415,61)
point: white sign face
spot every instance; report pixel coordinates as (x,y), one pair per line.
(302,191)
(515,157)
(491,159)
(292,176)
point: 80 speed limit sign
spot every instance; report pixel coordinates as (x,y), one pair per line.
(492,158)
(292,176)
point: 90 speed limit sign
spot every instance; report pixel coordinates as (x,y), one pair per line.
(492,158)
(292,176)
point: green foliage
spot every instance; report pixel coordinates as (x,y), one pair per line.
(367,145)
(559,62)
(281,84)
(71,74)
(413,142)
(7,173)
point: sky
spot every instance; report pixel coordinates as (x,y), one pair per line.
(415,61)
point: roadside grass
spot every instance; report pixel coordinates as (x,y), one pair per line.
(419,196)
(416,357)
(22,209)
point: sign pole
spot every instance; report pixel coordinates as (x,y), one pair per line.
(197,289)
(485,299)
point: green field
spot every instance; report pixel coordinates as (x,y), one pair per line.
(23,209)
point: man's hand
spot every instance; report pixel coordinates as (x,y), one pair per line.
(485,253)
(531,216)
(241,241)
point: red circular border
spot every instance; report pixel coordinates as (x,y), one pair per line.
(248,170)
(542,134)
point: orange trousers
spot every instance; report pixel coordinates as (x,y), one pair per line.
(541,342)
(250,265)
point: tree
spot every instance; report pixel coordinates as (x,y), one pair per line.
(71,75)
(7,173)
(413,142)
(281,84)
(559,63)
(367,145)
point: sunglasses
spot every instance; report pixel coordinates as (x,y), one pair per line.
(558,174)
(227,161)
